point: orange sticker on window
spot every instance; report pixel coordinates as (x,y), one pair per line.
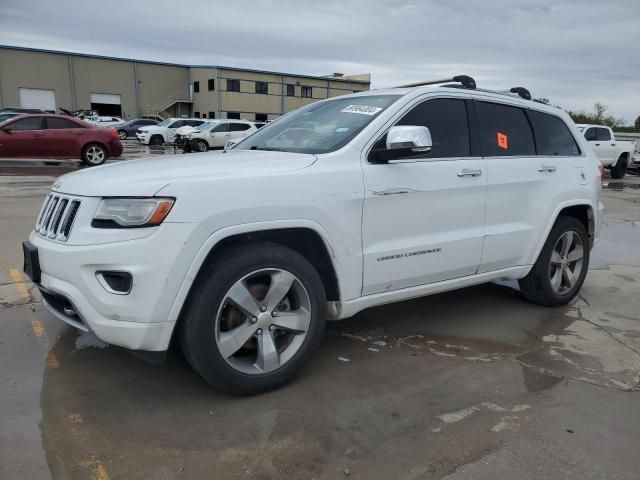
(503,141)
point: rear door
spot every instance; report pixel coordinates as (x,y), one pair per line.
(23,138)
(238,130)
(527,179)
(63,138)
(606,144)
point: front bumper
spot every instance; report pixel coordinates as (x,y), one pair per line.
(143,137)
(138,320)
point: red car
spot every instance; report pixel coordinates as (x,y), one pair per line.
(57,136)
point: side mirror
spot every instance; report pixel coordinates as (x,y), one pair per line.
(403,141)
(403,137)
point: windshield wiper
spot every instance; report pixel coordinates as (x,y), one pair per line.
(266,149)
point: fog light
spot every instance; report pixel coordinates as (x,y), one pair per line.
(115,282)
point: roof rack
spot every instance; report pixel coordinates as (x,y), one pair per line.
(521,92)
(465,80)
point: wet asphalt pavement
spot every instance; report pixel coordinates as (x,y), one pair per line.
(471,384)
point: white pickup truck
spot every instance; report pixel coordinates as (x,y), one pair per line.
(345,204)
(614,154)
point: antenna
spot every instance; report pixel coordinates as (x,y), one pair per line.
(465,80)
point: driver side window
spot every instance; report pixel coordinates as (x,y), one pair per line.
(446,119)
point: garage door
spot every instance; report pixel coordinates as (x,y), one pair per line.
(106,104)
(37,98)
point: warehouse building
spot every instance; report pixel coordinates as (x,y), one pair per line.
(130,88)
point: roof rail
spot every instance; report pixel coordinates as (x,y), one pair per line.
(465,80)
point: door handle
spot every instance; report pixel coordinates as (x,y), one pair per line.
(547,168)
(613,144)
(597,144)
(469,172)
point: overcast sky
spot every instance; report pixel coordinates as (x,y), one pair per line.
(573,52)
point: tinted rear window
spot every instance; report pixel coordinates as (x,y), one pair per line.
(504,130)
(552,135)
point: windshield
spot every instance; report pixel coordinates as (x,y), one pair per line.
(166,122)
(320,127)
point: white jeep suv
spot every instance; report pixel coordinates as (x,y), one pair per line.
(165,131)
(344,204)
(217,133)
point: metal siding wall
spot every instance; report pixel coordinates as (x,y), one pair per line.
(34,70)
(95,75)
(204,101)
(157,82)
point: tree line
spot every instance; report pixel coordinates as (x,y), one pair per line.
(598,116)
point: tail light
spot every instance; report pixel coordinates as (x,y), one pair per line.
(114,133)
(602,182)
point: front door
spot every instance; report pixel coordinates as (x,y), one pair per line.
(23,138)
(63,138)
(423,218)
(219,135)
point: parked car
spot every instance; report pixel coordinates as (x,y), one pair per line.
(215,135)
(347,203)
(5,115)
(165,131)
(104,121)
(613,154)
(157,118)
(51,136)
(130,128)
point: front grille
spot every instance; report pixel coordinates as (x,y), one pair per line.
(56,217)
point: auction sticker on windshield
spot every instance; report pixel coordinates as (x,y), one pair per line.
(362,109)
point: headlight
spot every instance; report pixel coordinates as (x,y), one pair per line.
(131,212)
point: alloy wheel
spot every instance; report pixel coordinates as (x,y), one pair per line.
(263,321)
(95,154)
(567,259)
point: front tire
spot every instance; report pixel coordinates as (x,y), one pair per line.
(619,170)
(559,272)
(254,319)
(200,146)
(156,140)
(122,134)
(94,154)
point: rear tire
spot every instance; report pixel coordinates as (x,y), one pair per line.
(294,329)
(156,140)
(122,134)
(619,170)
(94,154)
(558,274)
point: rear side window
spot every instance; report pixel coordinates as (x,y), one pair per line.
(60,123)
(552,135)
(29,123)
(446,119)
(504,130)
(603,134)
(223,127)
(239,127)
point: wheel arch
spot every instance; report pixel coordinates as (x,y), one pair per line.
(582,210)
(306,237)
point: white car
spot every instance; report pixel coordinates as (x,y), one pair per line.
(345,204)
(616,155)
(104,121)
(216,134)
(165,131)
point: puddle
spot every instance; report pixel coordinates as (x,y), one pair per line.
(619,244)
(621,186)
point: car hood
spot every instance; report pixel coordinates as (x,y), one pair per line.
(149,128)
(146,176)
(186,129)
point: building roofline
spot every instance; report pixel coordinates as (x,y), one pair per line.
(168,64)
